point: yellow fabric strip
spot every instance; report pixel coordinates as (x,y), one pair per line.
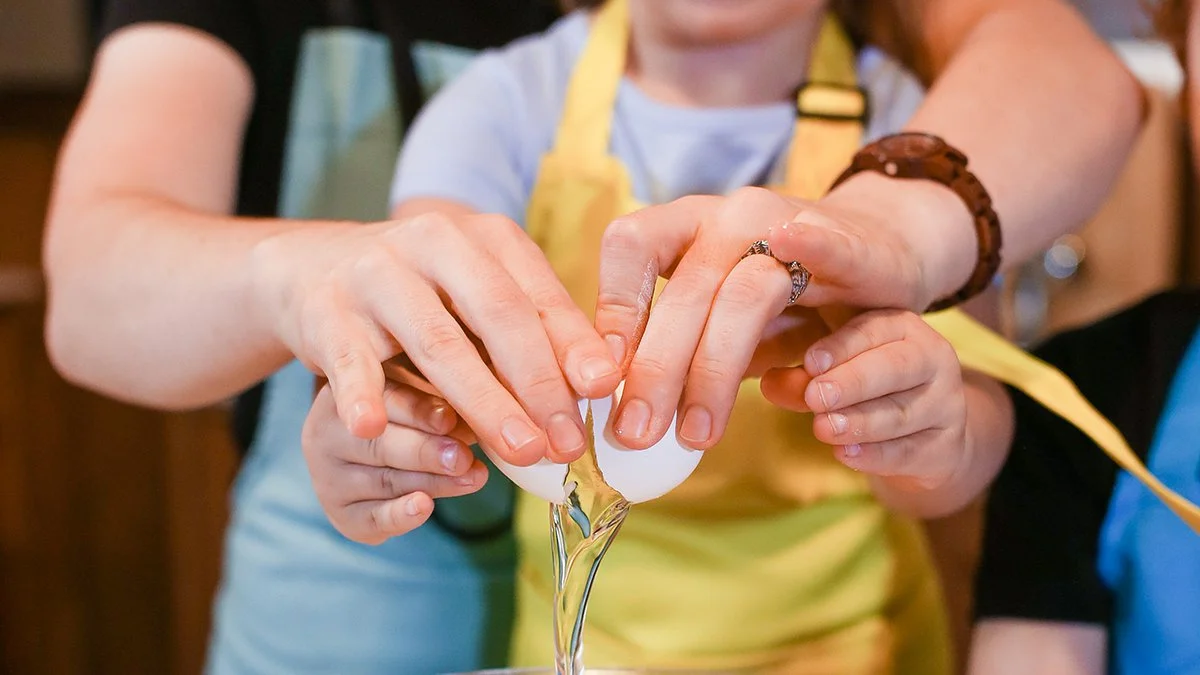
(984,351)
(587,113)
(821,147)
(834,61)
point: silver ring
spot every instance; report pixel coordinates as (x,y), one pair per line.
(799,273)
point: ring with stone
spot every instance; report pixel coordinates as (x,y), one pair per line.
(799,273)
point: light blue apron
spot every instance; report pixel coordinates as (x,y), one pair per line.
(1149,558)
(297,597)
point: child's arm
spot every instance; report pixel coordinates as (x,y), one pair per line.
(1024,647)
(888,392)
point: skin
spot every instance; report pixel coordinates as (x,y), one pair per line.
(873,242)
(1011,647)
(228,300)
(147,242)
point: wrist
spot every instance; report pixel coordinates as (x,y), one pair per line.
(929,218)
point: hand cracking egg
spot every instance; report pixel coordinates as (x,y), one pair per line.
(639,475)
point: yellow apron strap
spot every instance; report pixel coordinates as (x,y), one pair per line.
(831,111)
(592,92)
(986,352)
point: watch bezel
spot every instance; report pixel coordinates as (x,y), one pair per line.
(902,147)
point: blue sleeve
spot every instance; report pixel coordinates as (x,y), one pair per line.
(473,143)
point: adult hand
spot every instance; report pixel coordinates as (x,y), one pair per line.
(374,489)
(441,290)
(689,354)
(710,319)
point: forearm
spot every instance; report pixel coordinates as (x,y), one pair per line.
(1031,647)
(1043,109)
(988,436)
(152,302)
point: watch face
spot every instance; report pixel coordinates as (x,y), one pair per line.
(910,146)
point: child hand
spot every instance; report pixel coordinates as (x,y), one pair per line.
(887,391)
(384,487)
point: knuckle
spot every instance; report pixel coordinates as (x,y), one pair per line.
(388,483)
(425,227)
(550,302)
(692,288)
(507,305)
(623,235)
(375,453)
(868,332)
(905,360)
(899,413)
(609,300)
(400,401)
(855,383)
(747,195)
(379,521)
(741,289)
(754,283)
(345,358)
(650,364)
(541,381)
(374,263)
(708,366)
(439,341)
(493,223)
(906,456)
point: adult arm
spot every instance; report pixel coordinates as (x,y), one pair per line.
(159,296)
(1043,108)
(1018,647)
(1046,113)
(149,274)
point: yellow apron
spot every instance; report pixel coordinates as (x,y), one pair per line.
(772,556)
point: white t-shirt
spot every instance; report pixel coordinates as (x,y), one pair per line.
(479,141)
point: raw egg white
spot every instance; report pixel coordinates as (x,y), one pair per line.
(639,475)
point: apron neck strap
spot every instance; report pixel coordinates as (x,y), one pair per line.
(831,111)
(586,124)
(830,106)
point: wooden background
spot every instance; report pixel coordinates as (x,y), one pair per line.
(111,516)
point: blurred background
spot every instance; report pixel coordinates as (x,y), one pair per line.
(111,516)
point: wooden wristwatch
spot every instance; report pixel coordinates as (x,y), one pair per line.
(925,156)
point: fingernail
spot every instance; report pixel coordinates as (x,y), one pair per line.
(450,455)
(565,435)
(852,451)
(517,434)
(830,393)
(410,506)
(466,480)
(697,426)
(361,408)
(439,415)
(616,347)
(596,368)
(822,360)
(839,423)
(635,419)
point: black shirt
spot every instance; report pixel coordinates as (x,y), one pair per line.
(1050,501)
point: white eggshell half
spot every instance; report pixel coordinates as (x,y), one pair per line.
(639,475)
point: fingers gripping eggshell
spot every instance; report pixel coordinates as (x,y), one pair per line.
(639,475)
